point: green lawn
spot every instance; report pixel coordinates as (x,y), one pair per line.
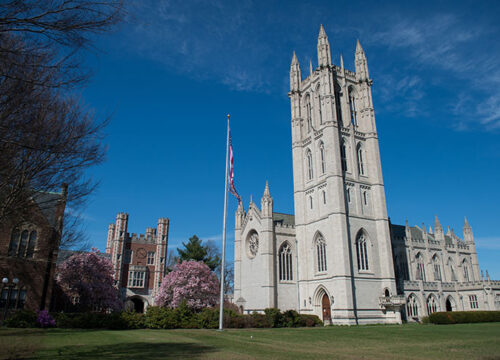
(479,341)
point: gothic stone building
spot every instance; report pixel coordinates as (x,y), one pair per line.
(139,261)
(28,251)
(337,256)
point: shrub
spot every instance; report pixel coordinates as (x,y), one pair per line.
(309,320)
(160,318)
(462,317)
(44,319)
(132,320)
(274,316)
(258,321)
(21,319)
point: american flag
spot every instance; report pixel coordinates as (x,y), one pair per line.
(232,188)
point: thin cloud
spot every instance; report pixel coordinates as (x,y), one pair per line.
(488,243)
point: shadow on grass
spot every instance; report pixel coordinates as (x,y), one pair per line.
(137,350)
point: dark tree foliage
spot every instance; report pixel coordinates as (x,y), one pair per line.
(195,250)
(47,137)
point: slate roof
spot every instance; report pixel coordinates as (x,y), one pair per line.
(283,219)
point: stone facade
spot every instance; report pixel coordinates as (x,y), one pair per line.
(139,261)
(28,252)
(334,257)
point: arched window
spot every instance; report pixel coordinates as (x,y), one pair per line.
(319,104)
(412,306)
(437,268)
(343,155)
(308,113)
(321,253)
(352,105)
(322,157)
(362,253)
(420,267)
(361,162)
(286,268)
(31,245)
(14,242)
(337,104)
(465,267)
(431,304)
(452,270)
(309,165)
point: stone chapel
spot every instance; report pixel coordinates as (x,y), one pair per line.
(338,256)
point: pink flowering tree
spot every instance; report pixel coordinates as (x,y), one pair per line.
(192,281)
(87,279)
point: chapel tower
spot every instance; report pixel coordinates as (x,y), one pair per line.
(344,248)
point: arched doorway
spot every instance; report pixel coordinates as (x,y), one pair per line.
(138,305)
(326,309)
(448,305)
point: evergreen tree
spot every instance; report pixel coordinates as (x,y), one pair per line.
(195,250)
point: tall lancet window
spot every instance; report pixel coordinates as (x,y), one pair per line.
(343,155)
(437,268)
(309,160)
(321,253)
(352,105)
(361,160)
(285,262)
(465,267)
(420,267)
(337,104)
(322,157)
(308,114)
(431,304)
(362,252)
(412,306)
(452,270)
(319,104)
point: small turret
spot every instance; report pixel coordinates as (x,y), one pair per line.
(295,75)
(324,54)
(266,203)
(361,64)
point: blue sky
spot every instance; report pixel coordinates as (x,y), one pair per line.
(170,74)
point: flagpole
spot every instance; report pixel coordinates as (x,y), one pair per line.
(223,261)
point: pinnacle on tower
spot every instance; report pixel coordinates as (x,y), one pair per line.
(295,75)
(310,67)
(361,64)
(359,48)
(341,62)
(466,224)
(266,190)
(437,224)
(322,32)
(324,55)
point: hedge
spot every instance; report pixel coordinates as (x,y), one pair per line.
(165,318)
(462,317)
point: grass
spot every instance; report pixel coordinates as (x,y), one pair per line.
(464,341)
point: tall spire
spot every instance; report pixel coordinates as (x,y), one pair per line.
(361,63)
(341,62)
(295,75)
(468,236)
(466,223)
(324,54)
(310,67)
(266,190)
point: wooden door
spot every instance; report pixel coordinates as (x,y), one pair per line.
(325,304)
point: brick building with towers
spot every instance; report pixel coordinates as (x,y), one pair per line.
(338,256)
(139,261)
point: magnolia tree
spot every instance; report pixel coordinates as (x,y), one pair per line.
(192,281)
(88,279)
